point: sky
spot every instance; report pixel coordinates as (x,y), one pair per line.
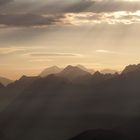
(99,34)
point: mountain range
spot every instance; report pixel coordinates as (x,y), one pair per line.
(56,70)
(72,102)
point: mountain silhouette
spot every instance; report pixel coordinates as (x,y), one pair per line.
(57,107)
(50,70)
(97,78)
(5,81)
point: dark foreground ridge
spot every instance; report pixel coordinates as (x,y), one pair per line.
(99,135)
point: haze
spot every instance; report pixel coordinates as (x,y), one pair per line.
(35,34)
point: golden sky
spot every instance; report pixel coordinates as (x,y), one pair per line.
(35,34)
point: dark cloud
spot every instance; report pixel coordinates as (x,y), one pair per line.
(26,20)
(79,6)
(90,6)
(3,2)
(103,6)
(61,6)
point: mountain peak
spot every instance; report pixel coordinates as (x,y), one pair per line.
(73,72)
(50,70)
(70,67)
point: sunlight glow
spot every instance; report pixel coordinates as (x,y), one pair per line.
(97,18)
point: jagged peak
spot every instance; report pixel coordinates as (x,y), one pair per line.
(71,68)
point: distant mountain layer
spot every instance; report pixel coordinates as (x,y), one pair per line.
(73,101)
(5,81)
(73,72)
(91,71)
(50,70)
(56,70)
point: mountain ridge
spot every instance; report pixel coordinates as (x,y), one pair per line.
(131,68)
(55,107)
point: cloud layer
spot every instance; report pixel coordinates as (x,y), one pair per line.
(39,13)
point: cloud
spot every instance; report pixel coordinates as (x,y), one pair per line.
(56,12)
(109,52)
(54,55)
(105,51)
(98,18)
(32,20)
(11,50)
